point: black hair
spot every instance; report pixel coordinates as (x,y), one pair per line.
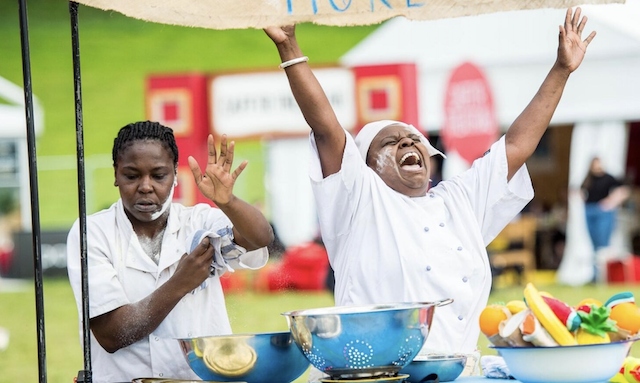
(144,130)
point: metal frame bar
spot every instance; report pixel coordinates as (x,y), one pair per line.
(33,183)
(85,375)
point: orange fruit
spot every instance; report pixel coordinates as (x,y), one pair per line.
(491,317)
(627,316)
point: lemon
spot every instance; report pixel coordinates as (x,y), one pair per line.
(516,306)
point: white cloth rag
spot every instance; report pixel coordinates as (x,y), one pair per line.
(495,367)
(219,264)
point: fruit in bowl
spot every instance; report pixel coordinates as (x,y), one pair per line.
(546,321)
(550,341)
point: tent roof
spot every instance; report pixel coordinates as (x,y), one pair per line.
(516,51)
(495,39)
(12,113)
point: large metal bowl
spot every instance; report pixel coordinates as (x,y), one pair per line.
(252,358)
(444,368)
(352,342)
(587,363)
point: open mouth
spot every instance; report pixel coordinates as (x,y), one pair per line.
(411,161)
(147,207)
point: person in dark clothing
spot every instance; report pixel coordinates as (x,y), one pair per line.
(602,194)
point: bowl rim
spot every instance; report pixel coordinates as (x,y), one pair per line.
(500,348)
(430,358)
(361,309)
(239,335)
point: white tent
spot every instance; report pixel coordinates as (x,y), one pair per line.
(13,136)
(516,50)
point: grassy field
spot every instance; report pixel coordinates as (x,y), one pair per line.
(249,312)
(117,54)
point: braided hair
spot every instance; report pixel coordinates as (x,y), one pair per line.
(144,130)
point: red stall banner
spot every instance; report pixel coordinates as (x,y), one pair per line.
(386,92)
(180,102)
(470,122)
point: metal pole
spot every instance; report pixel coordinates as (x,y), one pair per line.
(33,180)
(84,375)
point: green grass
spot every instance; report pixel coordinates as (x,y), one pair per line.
(248,312)
(117,54)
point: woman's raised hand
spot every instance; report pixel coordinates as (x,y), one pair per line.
(217,181)
(571,47)
(280,34)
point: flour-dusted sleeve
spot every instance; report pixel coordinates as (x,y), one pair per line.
(105,290)
(338,195)
(493,200)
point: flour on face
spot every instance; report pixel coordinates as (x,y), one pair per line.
(165,205)
(384,159)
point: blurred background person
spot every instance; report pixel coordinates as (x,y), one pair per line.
(603,194)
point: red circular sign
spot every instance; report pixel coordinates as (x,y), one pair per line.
(470,123)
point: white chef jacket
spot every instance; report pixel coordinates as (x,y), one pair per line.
(387,247)
(120,272)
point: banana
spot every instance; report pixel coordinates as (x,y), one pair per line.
(547,318)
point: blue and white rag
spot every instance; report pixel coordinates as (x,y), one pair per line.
(224,248)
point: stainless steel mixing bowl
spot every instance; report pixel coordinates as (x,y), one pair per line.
(252,358)
(351,342)
(444,368)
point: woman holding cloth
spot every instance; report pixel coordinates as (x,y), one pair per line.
(154,265)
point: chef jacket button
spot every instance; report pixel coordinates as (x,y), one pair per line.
(431,195)
(157,339)
(460,317)
(465,279)
(459,248)
(428,268)
(189,335)
(426,229)
(161,375)
(441,224)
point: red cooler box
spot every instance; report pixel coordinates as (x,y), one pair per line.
(624,270)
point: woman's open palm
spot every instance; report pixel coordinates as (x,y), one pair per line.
(217,181)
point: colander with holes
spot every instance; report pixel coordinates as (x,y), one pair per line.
(352,342)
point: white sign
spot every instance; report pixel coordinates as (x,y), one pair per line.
(236,14)
(261,104)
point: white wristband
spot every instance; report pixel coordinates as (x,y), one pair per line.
(294,61)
